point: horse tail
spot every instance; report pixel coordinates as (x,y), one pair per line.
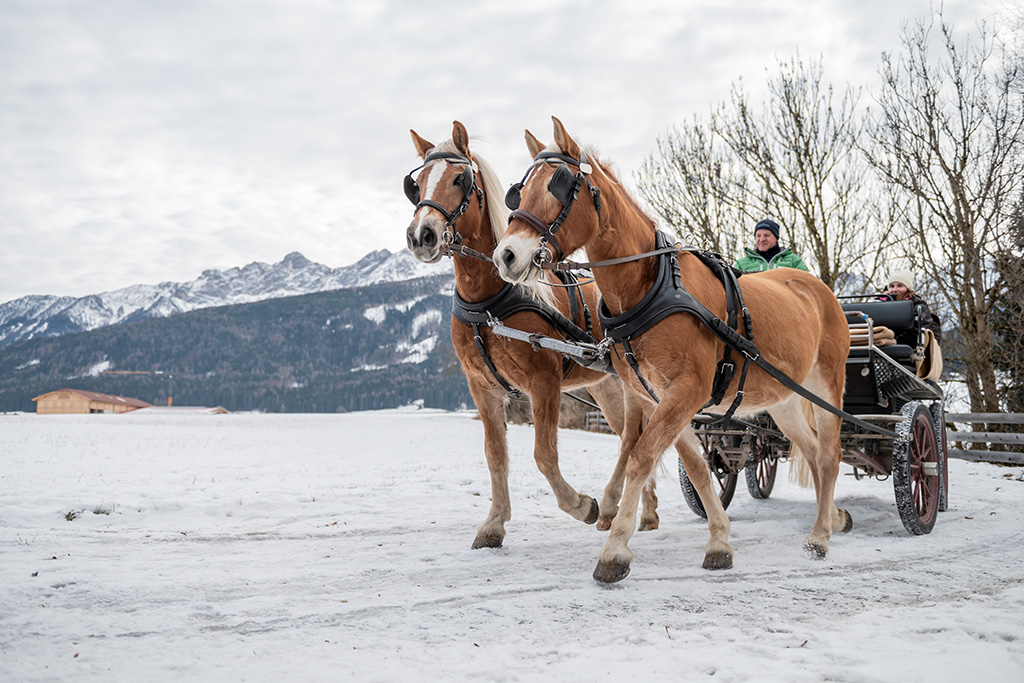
(799,469)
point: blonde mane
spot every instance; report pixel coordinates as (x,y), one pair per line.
(609,172)
(497,214)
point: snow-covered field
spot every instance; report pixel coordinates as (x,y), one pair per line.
(337,548)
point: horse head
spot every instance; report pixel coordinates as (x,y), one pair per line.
(449,191)
(551,217)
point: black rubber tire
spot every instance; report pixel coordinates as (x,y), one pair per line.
(761,472)
(939,423)
(723,481)
(916,473)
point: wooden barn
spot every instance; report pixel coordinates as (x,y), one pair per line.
(76,401)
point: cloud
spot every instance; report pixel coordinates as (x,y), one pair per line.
(148,141)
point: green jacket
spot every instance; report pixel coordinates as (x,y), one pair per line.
(754,262)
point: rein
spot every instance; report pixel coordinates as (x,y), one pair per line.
(569,264)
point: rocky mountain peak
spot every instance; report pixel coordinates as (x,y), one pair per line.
(47,316)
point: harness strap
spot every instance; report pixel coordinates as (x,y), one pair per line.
(631,359)
(548,237)
(464,251)
(748,349)
(569,264)
(511,299)
(667,296)
(479,342)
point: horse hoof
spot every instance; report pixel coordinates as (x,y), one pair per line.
(611,572)
(816,550)
(649,525)
(718,559)
(604,522)
(848,524)
(595,512)
(487,541)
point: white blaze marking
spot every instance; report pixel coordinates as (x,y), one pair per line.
(433,180)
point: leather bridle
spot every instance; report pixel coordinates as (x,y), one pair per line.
(451,240)
(565,186)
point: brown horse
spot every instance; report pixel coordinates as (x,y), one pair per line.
(455,216)
(800,329)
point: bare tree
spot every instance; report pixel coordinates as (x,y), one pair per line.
(794,159)
(947,141)
(1007,316)
(690,182)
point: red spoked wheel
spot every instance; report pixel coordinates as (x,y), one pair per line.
(916,470)
(762,469)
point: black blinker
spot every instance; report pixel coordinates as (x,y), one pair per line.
(562,184)
(465,181)
(512,196)
(412,190)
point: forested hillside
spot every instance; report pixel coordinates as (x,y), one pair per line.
(350,349)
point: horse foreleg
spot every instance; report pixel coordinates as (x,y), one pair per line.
(490,404)
(667,422)
(545,402)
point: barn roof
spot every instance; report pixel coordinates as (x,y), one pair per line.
(96,396)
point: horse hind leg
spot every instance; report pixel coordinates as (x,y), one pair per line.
(630,427)
(649,520)
(816,435)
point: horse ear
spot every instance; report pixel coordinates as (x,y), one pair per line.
(565,143)
(422,145)
(533,144)
(460,136)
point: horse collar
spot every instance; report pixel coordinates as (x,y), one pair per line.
(512,299)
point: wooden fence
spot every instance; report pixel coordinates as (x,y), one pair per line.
(597,423)
(1015,439)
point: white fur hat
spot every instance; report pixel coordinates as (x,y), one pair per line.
(904,277)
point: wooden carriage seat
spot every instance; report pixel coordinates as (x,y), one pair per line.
(898,316)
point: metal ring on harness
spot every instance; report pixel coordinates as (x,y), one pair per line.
(542,255)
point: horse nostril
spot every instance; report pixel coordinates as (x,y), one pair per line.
(429,238)
(508,257)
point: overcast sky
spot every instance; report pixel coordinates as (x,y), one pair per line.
(142,142)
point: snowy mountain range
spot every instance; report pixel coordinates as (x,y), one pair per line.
(49,316)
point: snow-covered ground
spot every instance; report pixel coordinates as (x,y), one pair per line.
(337,547)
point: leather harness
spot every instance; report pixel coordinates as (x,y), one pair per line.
(514,299)
(668,296)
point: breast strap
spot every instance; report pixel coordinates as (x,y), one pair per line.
(668,296)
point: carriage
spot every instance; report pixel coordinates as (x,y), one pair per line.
(883,387)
